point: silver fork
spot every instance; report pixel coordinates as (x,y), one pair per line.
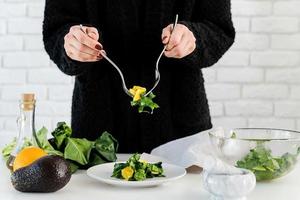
(157,74)
(115,66)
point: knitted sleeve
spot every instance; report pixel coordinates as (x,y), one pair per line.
(59,16)
(213,28)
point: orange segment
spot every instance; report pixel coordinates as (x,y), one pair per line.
(137,92)
(27,156)
(127,173)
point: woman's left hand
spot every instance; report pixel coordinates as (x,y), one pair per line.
(180,43)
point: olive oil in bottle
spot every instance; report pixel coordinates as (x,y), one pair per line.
(26,127)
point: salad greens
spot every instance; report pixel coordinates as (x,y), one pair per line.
(78,150)
(81,153)
(136,170)
(62,132)
(45,144)
(11,146)
(143,102)
(264,165)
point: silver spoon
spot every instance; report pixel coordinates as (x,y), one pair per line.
(157,74)
(115,66)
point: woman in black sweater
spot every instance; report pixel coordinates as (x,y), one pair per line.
(132,33)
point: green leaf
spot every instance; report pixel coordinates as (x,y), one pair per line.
(107,145)
(151,95)
(78,150)
(117,170)
(74,167)
(140,175)
(145,103)
(96,159)
(44,143)
(60,134)
(259,168)
(156,168)
(233,135)
(6,151)
(42,139)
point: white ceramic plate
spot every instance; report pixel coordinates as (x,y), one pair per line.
(103,173)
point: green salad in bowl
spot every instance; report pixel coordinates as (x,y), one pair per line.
(268,153)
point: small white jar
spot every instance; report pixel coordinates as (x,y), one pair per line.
(229,186)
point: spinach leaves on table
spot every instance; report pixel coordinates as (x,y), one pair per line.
(45,144)
(6,151)
(80,152)
(60,134)
(83,153)
(136,170)
(265,166)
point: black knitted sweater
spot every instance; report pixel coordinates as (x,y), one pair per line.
(131,35)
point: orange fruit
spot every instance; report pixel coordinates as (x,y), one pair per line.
(27,156)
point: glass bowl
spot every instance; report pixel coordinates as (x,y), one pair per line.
(268,153)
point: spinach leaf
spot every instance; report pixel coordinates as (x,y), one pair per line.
(44,143)
(9,148)
(117,170)
(96,159)
(74,166)
(78,150)
(140,175)
(233,135)
(6,151)
(146,102)
(107,145)
(60,134)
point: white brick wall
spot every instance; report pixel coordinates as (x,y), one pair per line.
(288,8)
(275,25)
(290,42)
(257,83)
(25,67)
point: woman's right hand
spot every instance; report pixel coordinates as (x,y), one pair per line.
(83,46)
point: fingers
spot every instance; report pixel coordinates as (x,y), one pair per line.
(92,32)
(166,33)
(180,49)
(75,54)
(81,47)
(83,38)
(82,44)
(176,36)
(180,43)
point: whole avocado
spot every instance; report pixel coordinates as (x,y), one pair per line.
(47,174)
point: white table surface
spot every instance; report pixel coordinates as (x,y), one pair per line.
(188,188)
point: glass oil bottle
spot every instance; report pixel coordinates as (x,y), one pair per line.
(26,127)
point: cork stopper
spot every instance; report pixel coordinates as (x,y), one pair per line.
(27,97)
(28,101)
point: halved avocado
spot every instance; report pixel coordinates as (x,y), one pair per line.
(47,174)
